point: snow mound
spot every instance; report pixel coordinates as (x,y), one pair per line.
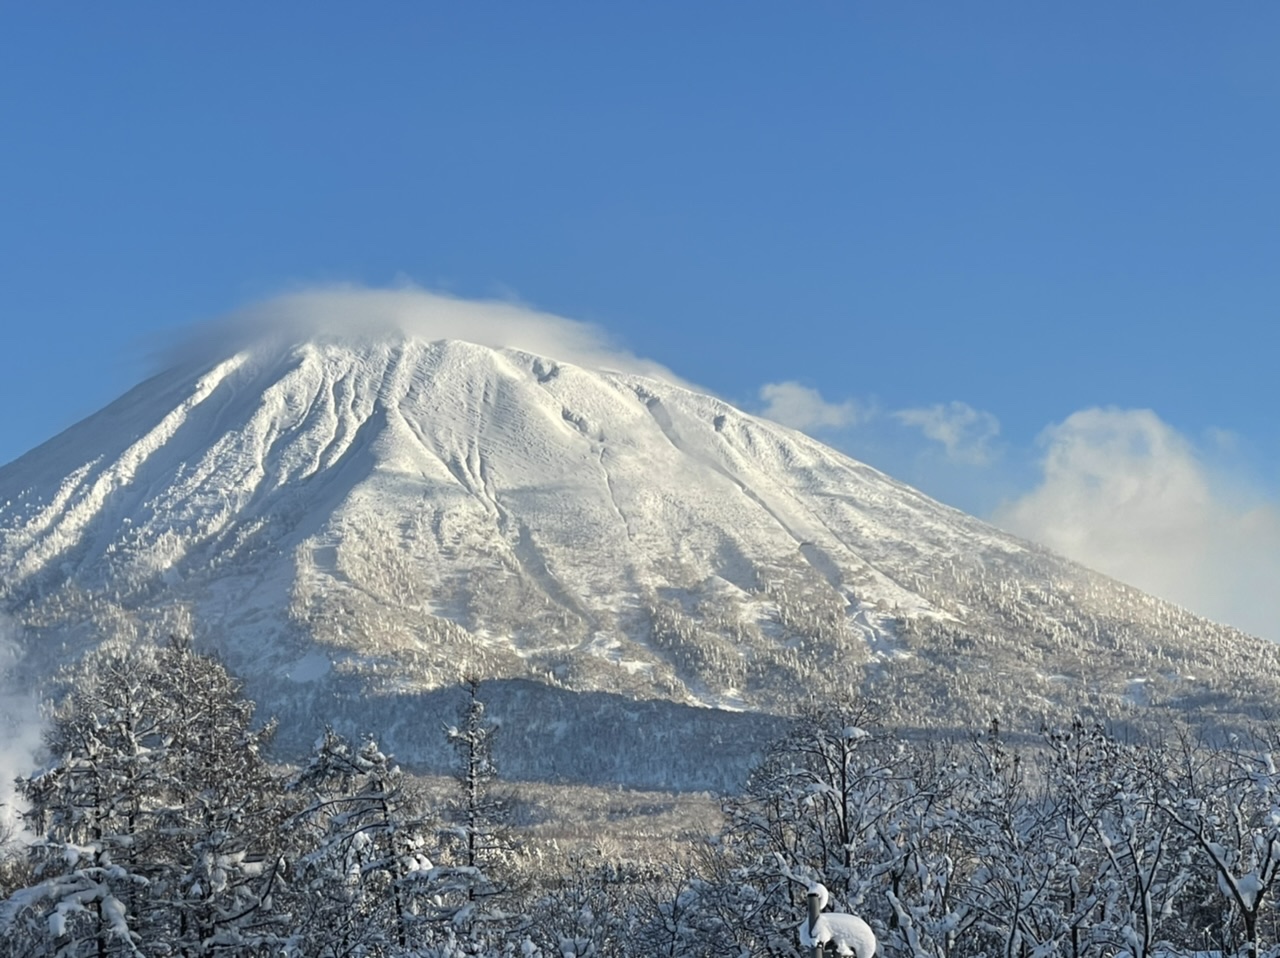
(848,933)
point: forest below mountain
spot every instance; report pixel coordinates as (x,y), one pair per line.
(158,827)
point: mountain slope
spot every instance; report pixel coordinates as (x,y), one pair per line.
(359,521)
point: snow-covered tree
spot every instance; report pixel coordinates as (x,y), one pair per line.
(588,906)
(158,816)
(473,878)
(826,803)
(999,822)
(354,888)
(929,883)
(1227,803)
(696,913)
(221,814)
(1128,872)
(106,743)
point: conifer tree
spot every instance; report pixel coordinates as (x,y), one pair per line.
(157,815)
(478,842)
(106,745)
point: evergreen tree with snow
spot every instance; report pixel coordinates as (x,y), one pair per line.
(157,815)
(90,807)
(222,814)
(475,878)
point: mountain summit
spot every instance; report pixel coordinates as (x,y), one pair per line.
(357,522)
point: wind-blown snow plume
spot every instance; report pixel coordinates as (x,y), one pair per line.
(1128,495)
(356,311)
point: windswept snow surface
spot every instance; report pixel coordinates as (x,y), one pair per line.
(348,518)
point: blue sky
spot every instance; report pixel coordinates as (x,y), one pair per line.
(1021,255)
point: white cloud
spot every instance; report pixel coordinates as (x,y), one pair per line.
(1126,494)
(803,408)
(355,311)
(965,432)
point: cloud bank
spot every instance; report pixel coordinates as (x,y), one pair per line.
(1126,494)
(348,311)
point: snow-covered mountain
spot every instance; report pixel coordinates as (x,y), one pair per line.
(649,572)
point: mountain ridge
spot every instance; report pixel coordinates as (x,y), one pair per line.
(373,517)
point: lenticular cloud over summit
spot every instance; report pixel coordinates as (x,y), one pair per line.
(338,312)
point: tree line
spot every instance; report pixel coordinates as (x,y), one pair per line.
(159,827)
